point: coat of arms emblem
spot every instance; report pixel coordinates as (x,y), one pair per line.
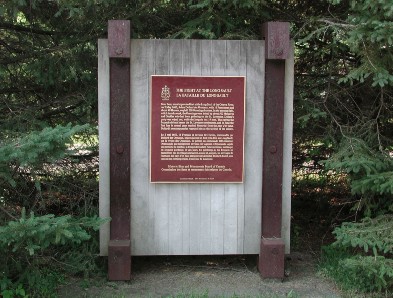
(165,93)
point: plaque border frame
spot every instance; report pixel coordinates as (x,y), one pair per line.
(151,119)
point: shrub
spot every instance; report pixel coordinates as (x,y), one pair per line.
(28,244)
(360,258)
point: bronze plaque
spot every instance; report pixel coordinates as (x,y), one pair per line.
(197,129)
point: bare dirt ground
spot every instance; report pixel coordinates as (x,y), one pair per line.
(231,276)
(210,276)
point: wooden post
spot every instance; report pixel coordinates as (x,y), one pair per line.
(272,248)
(119,250)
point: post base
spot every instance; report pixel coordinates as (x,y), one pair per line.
(119,260)
(271,258)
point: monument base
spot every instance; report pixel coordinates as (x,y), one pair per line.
(271,258)
(119,260)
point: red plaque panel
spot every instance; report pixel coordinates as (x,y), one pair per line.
(197,129)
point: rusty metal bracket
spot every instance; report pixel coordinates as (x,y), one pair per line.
(271,256)
(119,250)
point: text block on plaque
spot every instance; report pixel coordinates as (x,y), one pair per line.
(197,129)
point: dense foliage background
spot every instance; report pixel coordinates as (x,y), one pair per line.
(48,123)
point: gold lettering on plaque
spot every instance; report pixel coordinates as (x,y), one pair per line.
(197,116)
(187,146)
